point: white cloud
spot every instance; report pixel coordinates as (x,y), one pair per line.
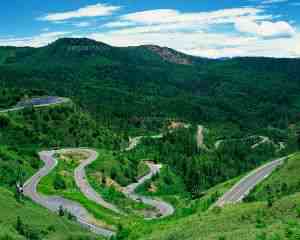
(212,45)
(82,24)
(274,1)
(265,29)
(88,11)
(167,16)
(119,24)
(248,32)
(35,41)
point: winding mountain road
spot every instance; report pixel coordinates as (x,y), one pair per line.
(164,209)
(135,141)
(83,183)
(263,140)
(239,191)
(53,203)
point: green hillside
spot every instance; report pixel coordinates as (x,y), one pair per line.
(33,222)
(283,182)
(248,109)
(256,220)
(135,85)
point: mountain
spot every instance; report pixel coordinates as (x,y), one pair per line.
(230,116)
(170,55)
(154,82)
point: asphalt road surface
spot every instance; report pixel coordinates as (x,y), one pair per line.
(53,203)
(243,187)
(83,183)
(164,209)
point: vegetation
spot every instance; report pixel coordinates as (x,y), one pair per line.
(67,188)
(245,221)
(16,165)
(285,181)
(202,169)
(270,218)
(54,127)
(122,92)
(25,220)
(136,87)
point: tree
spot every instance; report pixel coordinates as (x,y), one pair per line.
(298,212)
(59,182)
(61,211)
(20,226)
(270,201)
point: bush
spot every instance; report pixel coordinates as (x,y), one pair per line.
(59,183)
(27,231)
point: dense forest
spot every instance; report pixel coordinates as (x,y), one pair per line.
(25,132)
(116,90)
(135,87)
(116,93)
(203,168)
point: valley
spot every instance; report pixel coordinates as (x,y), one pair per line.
(132,150)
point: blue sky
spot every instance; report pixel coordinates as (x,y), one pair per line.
(209,28)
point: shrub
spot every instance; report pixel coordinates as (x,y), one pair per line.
(59,183)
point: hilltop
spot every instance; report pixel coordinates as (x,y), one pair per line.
(160,134)
(136,84)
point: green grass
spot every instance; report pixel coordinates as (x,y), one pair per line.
(247,221)
(65,169)
(284,181)
(243,221)
(169,187)
(118,167)
(53,228)
(100,177)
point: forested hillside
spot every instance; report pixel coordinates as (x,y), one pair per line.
(205,124)
(136,84)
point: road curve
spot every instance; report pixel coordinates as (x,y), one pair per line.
(53,203)
(135,141)
(239,191)
(255,145)
(164,209)
(82,181)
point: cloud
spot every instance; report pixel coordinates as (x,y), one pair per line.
(168,16)
(119,24)
(265,29)
(82,24)
(88,11)
(274,1)
(211,45)
(232,32)
(254,32)
(34,41)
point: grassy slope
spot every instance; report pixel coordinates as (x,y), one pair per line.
(34,216)
(110,172)
(284,181)
(66,170)
(108,219)
(246,221)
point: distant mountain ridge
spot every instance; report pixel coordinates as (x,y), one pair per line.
(170,55)
(158,82)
